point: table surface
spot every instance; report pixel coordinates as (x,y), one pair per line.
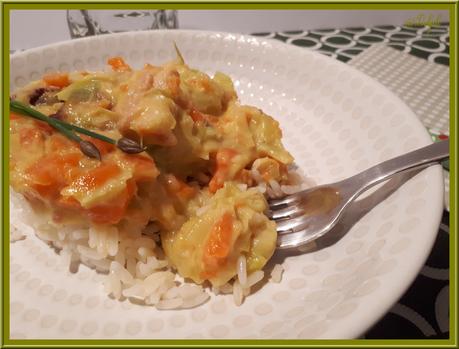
(423,311)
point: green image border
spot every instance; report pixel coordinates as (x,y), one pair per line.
(7,6)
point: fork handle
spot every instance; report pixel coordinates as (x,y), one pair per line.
(419,158)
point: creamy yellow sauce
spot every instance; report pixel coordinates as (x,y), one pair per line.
(201,146)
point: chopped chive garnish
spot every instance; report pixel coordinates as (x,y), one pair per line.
(124,144)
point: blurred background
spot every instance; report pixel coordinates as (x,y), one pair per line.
(52,25)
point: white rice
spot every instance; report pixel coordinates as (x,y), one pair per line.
(194,302)
(153,299)
(169,304)
(254,278)
(242,270)
(135,291)
(144,253)
(276,189)
(257,176)
(80,235)
(89,253)
(112,285)
(290,189)
(171,293)
(262,188)
(121,273)
(296,181)
(102,265)
(237,293)
(270,192)
(66,257)
(130,265)
(134,268)
(187,291)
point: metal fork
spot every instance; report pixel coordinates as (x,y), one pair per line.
(307,215)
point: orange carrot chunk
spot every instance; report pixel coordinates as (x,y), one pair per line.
(30,135)
(217,247)
(58,142)
(49,174)
(223,160)
(60,80)
(96,177)
(14,116)
(118,64)
(196,115)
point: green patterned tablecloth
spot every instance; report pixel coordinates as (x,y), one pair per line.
(431,43)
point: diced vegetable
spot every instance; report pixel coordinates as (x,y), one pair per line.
(60,80)
(118,64)
(50,174)
(223,161)
(95,178)
(113,212)
(15,116)
(217,247)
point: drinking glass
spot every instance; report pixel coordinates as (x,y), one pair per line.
(84,23)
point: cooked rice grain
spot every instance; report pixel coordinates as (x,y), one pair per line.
(237,293)
(275,188)
(254,278)
(135,291)
(169,304)
(242,270)
(262,188)
(290,189)
(122,274)
(194,302)
(257,176)
(89,253)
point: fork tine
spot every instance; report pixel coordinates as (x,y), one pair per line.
(293,225)
(287,200)
(295,239)
(287,212)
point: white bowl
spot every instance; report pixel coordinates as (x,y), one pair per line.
(336,122)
